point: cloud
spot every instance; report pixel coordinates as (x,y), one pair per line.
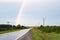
(7,1)
(29,2)
(42,3)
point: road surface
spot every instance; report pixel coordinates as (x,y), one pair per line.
(17,35)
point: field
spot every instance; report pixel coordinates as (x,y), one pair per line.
(2,32)
(35,35)
(39,35)
(5,28)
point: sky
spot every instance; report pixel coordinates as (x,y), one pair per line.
(33,13)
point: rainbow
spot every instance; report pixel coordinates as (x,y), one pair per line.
(19,13)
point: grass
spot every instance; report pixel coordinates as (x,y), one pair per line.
(35,35)
(7,31)
(53,36)
(38,35)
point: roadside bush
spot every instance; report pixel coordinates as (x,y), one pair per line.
(5,27)
(49,29)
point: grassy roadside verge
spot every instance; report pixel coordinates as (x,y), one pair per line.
(2,32)
(38,35)
(35,35)
(49,36)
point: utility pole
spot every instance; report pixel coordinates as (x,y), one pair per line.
(8,22)
(43,21)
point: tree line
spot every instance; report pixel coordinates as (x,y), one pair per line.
(49,29)
(5,27)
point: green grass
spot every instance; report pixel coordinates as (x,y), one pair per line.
(35,35)
(7,31)
(38,35)
(53,36)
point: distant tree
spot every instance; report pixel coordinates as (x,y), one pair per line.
(19,26)
(8,22)
(23,27)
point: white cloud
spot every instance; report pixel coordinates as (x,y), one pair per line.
(41,1)
(14,1)
(37,1)
(34,3)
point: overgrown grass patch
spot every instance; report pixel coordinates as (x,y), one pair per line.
(54,36)
(35,35)
(38,35)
